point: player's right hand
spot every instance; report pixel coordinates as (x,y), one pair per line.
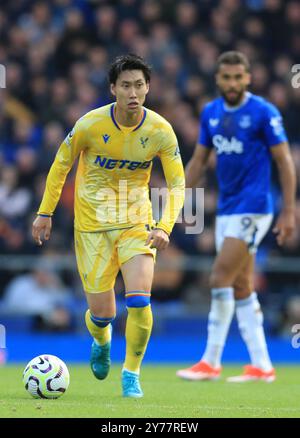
(158,239)
(284,226)
(41,229)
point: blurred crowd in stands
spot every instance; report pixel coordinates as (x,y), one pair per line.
(56,55)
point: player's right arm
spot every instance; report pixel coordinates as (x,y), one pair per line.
(64,160)
(196,166)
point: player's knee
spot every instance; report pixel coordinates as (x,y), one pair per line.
(141,283)
(137,298)
(242,289)
(103,309)
(105,313)
(219,278)
(241,293)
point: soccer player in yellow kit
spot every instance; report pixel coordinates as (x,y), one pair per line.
(114,228)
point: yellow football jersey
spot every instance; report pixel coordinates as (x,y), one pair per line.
(111,188)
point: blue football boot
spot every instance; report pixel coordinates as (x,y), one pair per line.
(131,385)
(100,359)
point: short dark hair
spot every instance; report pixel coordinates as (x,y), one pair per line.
(128,62)
(233,58)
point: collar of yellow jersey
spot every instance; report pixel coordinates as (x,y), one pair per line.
(127,128)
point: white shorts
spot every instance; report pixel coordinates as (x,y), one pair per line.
(249,227)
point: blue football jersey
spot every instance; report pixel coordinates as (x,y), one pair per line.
(242,138)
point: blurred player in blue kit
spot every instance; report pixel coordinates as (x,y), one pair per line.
(246,132)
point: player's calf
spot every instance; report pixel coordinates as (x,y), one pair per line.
(138,329)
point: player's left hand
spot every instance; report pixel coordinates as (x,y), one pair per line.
(158,238)
(285,226)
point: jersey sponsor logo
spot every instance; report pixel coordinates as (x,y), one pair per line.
(276,123)
(245,122)
(214,122)
(105,137)
(225,146)
(109,163)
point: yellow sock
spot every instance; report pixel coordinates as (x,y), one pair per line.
(138,330)
(101,334)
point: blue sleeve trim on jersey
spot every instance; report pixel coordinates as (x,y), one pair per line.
(44,215)
(113,117)
(142,121)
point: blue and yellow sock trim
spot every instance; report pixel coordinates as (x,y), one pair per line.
(137,298)
(101,322)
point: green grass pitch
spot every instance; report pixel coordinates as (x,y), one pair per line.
(165,396)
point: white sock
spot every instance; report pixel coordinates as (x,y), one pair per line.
(219,319)
(250,319)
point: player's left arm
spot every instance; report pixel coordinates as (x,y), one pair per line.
(285,223)
(277,141)
(174,174)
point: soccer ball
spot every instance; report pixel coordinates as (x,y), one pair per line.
(46,376)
